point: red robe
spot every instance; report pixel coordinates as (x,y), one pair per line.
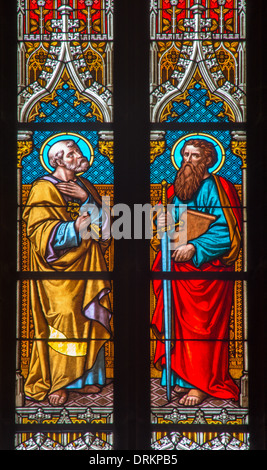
(200,314)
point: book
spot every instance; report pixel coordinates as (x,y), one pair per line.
(197,224)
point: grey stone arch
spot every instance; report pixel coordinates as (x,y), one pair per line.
(197,52)
(61,56)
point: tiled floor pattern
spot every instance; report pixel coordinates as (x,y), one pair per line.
(75,399)
(159,400)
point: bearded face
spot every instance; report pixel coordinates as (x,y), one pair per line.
(82,165)
(191,173)
(70,156)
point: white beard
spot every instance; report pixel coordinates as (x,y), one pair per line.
(81,167)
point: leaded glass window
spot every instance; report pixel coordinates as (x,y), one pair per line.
(198,101)
(136,88)
(65,353)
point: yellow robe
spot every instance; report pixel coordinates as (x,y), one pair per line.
(66,343)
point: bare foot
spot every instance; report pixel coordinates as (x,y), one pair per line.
(89,389)
(178,389)
(193,398)
(58,398)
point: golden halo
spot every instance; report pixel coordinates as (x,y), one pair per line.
(82,142)
(218,146)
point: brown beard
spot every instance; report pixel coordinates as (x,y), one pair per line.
(188,180)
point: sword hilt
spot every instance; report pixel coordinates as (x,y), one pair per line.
(164,193)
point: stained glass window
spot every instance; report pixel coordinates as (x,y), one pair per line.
(199,354)
(65,353)
(134,87)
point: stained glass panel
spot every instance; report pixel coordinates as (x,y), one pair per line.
(65,191)
(64,441)
(166,147)
(198,61)
(69,348)
(34,166)
(65,56)
(199,441)
(201,334)
(197,88)
(198,84)
(222,17)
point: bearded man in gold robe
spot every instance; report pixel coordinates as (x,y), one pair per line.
(71,316)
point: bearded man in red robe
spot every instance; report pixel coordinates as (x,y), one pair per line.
(200,307)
